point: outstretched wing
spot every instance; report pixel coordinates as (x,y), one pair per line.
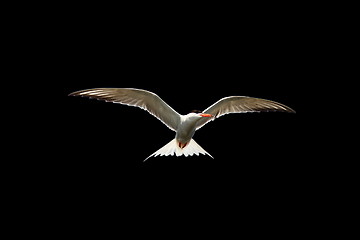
(135,97)
(241,104)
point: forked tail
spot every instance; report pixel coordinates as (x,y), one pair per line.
(173,148)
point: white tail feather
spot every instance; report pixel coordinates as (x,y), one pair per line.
(173,148)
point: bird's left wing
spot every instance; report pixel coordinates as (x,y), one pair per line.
(241,104)
(135,97)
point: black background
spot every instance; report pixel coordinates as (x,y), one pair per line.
(190,63)
(191,57)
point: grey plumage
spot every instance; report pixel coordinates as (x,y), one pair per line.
(135,97)
(241,104)
(184,125)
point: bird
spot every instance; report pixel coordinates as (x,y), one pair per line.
(185,126)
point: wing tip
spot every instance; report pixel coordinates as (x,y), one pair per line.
(80,92)
(279,107)
(77,93)
(289,110)
(292,111)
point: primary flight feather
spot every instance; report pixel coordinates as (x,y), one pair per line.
(184,125)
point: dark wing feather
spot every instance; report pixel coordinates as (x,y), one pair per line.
(241,104)
(135,97)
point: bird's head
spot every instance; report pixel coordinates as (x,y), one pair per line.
(198,114)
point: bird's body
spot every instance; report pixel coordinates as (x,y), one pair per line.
(185,126)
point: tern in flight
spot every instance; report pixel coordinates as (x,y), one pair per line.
(184,125)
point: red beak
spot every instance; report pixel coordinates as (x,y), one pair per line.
(205,115)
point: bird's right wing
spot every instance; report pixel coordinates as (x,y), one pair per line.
(241,104)
(135,97)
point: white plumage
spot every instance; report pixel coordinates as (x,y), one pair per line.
(184,125)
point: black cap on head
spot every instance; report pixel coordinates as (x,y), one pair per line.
(196,111)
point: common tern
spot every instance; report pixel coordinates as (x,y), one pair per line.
(184,125)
